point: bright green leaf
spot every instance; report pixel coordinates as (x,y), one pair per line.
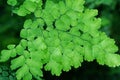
(18,62)
(21,72)
(30,6)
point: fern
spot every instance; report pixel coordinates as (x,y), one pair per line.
(62,35)
(6,73)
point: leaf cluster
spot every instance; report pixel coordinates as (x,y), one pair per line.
(62,35)
(6,73)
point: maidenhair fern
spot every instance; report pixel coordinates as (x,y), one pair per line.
(62,34)
(6,73)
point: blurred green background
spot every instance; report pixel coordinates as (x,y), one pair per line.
(109,11)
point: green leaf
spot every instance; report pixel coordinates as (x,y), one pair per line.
(11,46)
(39,44)
(109,45)
(32,33)
(88,55)
(26,54)
(31,46)
(27,24)
(78,41)
(35,24)
(77,5)
(97,50)
(13,53)
(69,46)
(54,67)
(62,7)
(77,59)
(21,72)
(38,13)
(90,13)
(30,6)
(63,24)
(28,76)
(112,60)
(66,63)
(41,22)
(101,58)
(73,17)
(33,63)
(84,28)
(68,3)
(12,2)
(19,49)
(17,62)
(35,67)
(5,55)
(36,72)
(24,33)
(21,11)
(65,19)
(65,36)
(47,18)
(75,31)
(24,43)
(56,54)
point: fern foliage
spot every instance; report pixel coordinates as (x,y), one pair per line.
(6,73)
(61,35)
